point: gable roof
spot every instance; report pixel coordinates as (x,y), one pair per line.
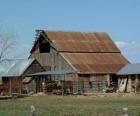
(93,52)
(14,67)
(82,42)
(130,69)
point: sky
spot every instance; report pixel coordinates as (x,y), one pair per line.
(119,18)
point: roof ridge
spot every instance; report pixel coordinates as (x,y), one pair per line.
(74,31)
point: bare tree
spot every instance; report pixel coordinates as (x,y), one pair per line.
(7,43)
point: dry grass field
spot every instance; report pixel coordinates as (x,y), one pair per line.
(95,105)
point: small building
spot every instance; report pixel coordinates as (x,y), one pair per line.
(93,55)
(13,75)
(129,78)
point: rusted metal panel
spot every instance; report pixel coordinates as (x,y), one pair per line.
(98,63)
(87,52)
(81,42)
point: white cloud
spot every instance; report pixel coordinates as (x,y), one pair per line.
(121,44)
(131,50)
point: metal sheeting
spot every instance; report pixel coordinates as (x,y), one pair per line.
(27,80)
(130,69)
(5,67)
(58,72)
(15,67)
(97,63)
(81,42)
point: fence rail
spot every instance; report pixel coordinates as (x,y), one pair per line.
(78,87)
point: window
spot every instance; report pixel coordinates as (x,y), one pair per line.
(44,45)
(90,84)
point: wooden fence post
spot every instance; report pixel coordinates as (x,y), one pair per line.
(125,111)
(33,110)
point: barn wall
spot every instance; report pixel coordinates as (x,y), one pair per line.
(129,85)
(92,83)
(13,84)
(132,83)
(34,68)
(98,77)
(60,63)
(36,49)
(52,61)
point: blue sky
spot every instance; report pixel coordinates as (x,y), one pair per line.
(119,18)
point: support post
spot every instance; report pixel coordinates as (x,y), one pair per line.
(129,84)
(10,87)
(125,111)
(32,110)
(136,83)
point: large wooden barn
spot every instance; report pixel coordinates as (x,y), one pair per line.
(94,56)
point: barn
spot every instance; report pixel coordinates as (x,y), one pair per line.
(13,74)
(93,55)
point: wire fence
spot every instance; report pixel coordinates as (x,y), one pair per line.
(78,87)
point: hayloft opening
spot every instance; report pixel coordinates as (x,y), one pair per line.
(44,46)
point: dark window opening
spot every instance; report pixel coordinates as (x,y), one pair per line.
(84,75)
(44,46)
(114,78)
(90,84)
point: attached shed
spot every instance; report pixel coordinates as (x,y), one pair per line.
(55,82)
(13,75)
(129,78)
(93,54)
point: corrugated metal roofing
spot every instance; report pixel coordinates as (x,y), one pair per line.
(14,67)
(5,66)
(88,52)
(58,72)
(130,69)
(27,80)
(97,63)
(81,41)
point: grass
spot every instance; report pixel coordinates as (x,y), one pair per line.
(70,106)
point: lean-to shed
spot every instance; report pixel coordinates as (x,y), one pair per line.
(129,78)
(13,75)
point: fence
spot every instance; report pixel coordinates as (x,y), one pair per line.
(77,87)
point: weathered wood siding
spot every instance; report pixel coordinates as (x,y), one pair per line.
(13,84)
(33,68)
(52,61)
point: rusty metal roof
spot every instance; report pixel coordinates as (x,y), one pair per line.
(87,52)
(96,63)
(82,42)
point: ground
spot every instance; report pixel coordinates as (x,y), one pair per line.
(93,105)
